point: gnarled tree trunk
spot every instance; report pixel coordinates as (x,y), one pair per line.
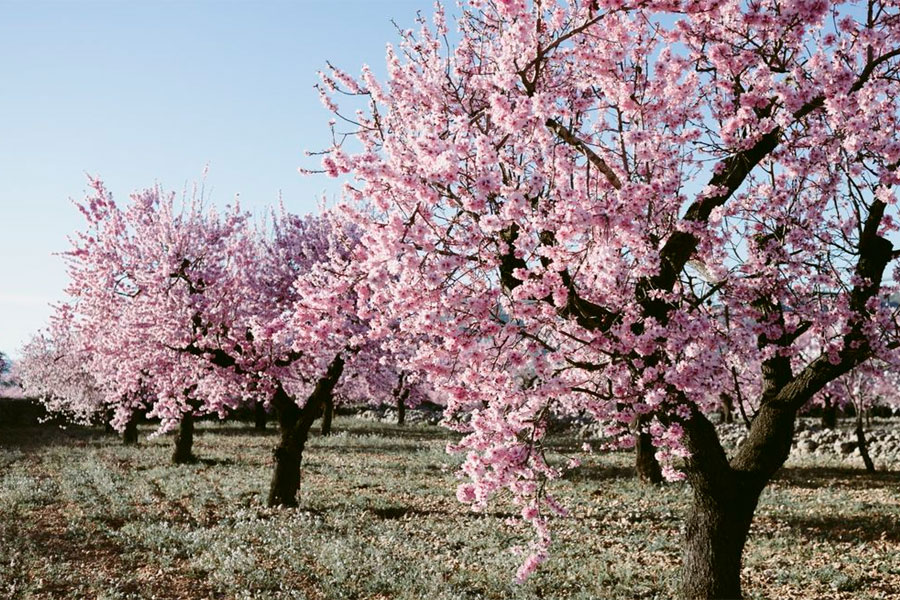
(715,534)
(294,424)
(259,416)
(724,500)
(726,491)
(184,440)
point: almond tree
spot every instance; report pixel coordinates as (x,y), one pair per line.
(55,369)
(597,203)
(212,312)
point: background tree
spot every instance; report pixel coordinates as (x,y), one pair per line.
(55,369)
(214,312)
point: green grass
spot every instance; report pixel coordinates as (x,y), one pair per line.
(82,516)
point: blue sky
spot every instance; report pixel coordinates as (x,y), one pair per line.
(144,92)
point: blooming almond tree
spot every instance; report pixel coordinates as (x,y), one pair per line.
(125,272)
(602,207)
(55,369)
(212,312)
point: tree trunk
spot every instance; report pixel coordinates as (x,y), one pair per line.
(725,495)
(259,416)
(327,415)
(401,407)
(862,443)
(727,408)
(715,534)
(130,434)
(184,440)
(646,465)
(294,424)
(829,414)
(289,452)
(401,393)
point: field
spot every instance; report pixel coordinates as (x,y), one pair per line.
(82,516)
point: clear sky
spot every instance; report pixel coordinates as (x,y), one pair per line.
(144,92)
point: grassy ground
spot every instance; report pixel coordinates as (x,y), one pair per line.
(82,516)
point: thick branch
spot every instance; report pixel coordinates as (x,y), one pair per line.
(594,158)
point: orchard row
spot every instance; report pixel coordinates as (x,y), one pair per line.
(632,212)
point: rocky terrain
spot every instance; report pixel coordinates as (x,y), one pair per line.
(810,439)
(422,414)
(840,444)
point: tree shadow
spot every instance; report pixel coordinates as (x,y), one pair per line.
(383,448)
(389,513)
(844,528)
(590,473)
(213,462)
(236,430)
(44,436)
(837,477)
(413,432)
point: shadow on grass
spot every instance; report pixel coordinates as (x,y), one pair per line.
(360,427)
(589,473)
(844,528)
(379,448)
(390,513)
(44,436)
(236,430)
(837,477)
(214,462)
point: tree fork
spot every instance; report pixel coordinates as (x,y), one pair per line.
(294,425)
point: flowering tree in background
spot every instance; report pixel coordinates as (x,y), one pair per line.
(209,312)
(55,369)
(9,384)
(873,384)
(604,206)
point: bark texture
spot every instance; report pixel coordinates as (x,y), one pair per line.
(646,465)
(715,534)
